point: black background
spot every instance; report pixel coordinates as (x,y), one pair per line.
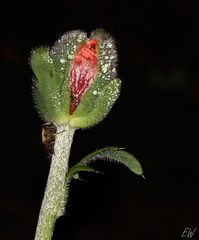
(156,119)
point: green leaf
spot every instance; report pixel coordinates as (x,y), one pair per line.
(76,169)
(73,172)
(108,153)
(113,154)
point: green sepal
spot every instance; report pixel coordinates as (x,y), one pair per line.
(107,62)
(102,106)
(46,86)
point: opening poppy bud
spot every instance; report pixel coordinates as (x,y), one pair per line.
(82,72)
(76,79)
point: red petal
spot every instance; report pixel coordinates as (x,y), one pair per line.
(82,71)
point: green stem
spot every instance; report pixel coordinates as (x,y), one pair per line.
(52,204)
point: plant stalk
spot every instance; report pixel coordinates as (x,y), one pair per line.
(52,204)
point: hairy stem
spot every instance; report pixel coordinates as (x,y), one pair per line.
(52,204)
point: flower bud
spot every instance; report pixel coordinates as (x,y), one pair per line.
(76,81)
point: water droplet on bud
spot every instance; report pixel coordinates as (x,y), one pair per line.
(62,60)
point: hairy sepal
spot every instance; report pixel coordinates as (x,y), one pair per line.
(100,106)
(46,85)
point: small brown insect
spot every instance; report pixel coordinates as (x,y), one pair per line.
(48,137)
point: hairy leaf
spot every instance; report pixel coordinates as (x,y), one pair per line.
(113,154)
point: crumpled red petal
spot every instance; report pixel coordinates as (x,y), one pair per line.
(82,72)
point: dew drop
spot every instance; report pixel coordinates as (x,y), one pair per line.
(70,56)
(109,44)
(62,60)
(95,92)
